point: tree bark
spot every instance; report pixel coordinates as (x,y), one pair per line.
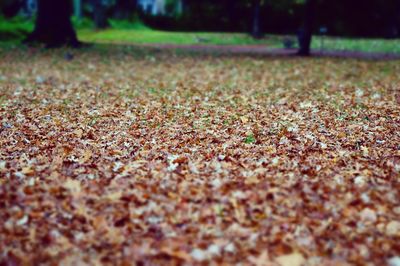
(305,33)
(10,8)
(78,9)
(230,6)
(53,25)
(396,19)
(124,9)
(100,14)
(256,29)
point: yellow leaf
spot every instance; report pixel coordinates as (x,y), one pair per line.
(86,156)
(78,132)
(114,196)
(244,119)
(27,171)
(73,185)
(252,180)
(294,259)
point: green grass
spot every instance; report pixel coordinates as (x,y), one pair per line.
(357,44)
(136,24)
(274,41)
(12,31)
(138,33)
(15,29)
(163,37)
(250,139)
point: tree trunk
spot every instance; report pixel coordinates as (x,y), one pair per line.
(230,6)
(305,33)
(10,8)
(396,19)
(100,14)
(78,9)
(53,25)
(256,29)
(124,9)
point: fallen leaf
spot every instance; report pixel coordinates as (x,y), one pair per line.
(294,259)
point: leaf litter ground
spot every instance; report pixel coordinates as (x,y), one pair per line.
(144,157)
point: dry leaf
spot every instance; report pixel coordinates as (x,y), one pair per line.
(294,259)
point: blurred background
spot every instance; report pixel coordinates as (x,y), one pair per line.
(361,25)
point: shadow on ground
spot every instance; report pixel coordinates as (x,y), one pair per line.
(203,50)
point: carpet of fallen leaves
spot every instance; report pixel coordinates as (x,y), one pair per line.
(119,157)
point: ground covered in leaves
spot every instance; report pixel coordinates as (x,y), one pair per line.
(120,156)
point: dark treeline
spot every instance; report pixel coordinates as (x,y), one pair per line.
(361,18)
(358,18)
(54,28)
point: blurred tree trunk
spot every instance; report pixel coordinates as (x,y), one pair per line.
(230,9)
(305,33)
(10,8)
(256,28)
(78,9)
(228,17)
(125,9)
(396,20)
(392,29)
(100,14)
(53,25)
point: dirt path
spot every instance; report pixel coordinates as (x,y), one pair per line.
(268,51)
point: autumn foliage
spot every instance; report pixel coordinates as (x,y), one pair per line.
(136,157)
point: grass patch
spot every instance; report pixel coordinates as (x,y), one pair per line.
(250,139)
(120,33)
(136,24)
(356,44)
(15,28)
(12,31)
(164,37)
